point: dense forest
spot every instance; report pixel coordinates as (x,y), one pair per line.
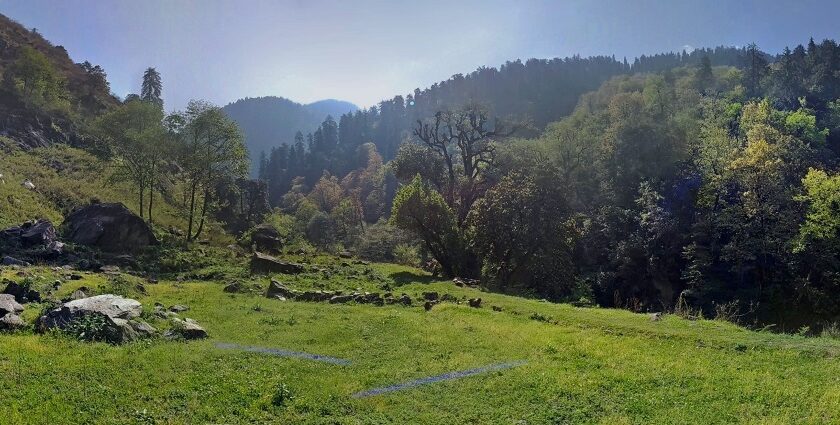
(680,183)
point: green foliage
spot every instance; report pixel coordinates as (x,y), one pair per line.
(89,327)
(423,211)
(321,230)
(35,78)
(282,395)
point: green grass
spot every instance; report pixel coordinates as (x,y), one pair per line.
(584,365)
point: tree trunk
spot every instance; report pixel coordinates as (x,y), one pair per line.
(203,213)
(192,212)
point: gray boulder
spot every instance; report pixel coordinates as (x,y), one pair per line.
(265,264)
(117,313)
(41,232)
(11,322)
(187,329)
(108,226)
(277,289)
(8,305)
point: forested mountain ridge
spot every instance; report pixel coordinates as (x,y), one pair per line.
(268,121)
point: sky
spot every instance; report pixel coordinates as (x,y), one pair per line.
(364,51)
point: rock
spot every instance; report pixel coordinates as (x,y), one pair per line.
(316,296)
(143,329)
(277,289)
(368,298)
(116,311)
(264,264)
(341,299)
(461,281)
(497,308)
(108,226)
(11,322)
(78,294)
(112,306)
(27,184)
(12,261)
(187,329)
(233,288)
(266,238)
(431,296)
(405,300)
(21,293)
(655,317)
(428,305)
(345,254)
(8,305)
(474,302)
(40,232)
(178,308)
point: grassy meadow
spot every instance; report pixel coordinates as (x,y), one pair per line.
(583,365)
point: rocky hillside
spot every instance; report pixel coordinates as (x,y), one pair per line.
(78,90)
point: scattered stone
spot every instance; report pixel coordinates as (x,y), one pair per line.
(109,226)
(461,281)
(428,305)
(8,305)
(109,269)
(11,322)
(78,294)
(497,308)
(475,302)
(449,298)
(21,293)
(431,296)
(27,184)
(143,329)
(341,299)
(187,329)
(12,261)
(178,308)
(264,264)
(345,254)
(74,276)
(405,300)
(277,289)
(233,288)
(655,317)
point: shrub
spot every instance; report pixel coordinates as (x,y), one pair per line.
(282,395)
(379,242)
(407,254)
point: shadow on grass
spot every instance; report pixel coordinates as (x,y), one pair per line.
(405,278)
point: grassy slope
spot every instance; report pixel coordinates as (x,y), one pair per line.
(584,365)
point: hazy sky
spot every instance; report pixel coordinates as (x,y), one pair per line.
(364,51)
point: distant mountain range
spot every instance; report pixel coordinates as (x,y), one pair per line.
(272,120)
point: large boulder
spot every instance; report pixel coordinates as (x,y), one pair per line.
(108,226)
(117,314)
(266,238)
(264,264)
(278,290)
(40,232)
(11,322)
(186,329)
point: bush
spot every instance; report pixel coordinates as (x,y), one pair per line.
(379,242)
(282,395)
(321,230)
(407,254)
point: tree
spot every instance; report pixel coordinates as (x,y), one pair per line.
(34,77)
(210,150)
(423,211)
(134,131)
(464,140)
(520,231)
(152,87)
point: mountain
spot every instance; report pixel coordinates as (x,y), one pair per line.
(271,120)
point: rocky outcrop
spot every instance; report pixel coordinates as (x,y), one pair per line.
(119,317)
(265,264)
(8,305)
(22,294)
(110,227)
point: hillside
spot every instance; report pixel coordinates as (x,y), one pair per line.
(550,363)
(67,92)
(269,121)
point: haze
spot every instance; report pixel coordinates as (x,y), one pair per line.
(365,51)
